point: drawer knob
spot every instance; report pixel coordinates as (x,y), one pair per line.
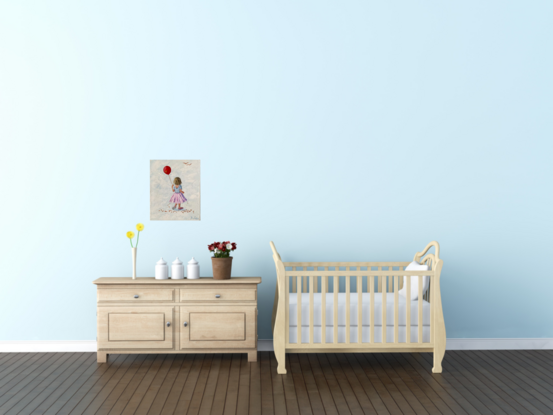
(168,324)
(185,324)
(136,296)
(217,295)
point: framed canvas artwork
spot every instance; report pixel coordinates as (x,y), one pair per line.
(174,189)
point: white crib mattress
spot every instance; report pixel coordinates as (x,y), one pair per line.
(365,334)
(402,307)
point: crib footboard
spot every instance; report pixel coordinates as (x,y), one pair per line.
(357,307)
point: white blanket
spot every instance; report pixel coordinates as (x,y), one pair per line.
(402,306)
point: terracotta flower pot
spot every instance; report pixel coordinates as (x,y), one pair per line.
(221,268)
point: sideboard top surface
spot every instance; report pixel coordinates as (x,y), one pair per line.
(152,280)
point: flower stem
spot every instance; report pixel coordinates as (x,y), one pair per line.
(130,240)
(137,238)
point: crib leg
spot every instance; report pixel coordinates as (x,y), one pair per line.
(438,357)
(281,360)
(440,337)
(439,343)
(439,348)
(279,339)
(280,353)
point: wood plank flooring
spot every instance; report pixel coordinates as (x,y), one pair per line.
(473,382)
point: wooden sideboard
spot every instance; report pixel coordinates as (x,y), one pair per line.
(177,316)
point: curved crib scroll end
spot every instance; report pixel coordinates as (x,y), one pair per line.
(434,244)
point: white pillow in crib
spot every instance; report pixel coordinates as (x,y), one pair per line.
(415,266)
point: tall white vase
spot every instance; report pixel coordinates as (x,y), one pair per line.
(133,263)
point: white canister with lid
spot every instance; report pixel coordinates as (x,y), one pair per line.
(162,272)
(193,270)
(177,270)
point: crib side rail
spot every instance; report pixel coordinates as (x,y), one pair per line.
(378,283)
(347,264)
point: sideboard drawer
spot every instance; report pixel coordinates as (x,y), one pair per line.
(135,295)
(217,294)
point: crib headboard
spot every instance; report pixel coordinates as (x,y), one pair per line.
(280,277)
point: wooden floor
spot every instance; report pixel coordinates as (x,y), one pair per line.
(473,382)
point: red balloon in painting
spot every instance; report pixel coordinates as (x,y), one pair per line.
(167,170)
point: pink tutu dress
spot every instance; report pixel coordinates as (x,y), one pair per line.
(178,197)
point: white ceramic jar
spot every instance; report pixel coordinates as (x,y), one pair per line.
(162,272)
(193,270)
(177,270)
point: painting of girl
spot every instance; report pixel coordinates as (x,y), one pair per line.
(178,194)
(175,190)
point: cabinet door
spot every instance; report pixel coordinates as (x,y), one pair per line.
(135,327)
(218,327)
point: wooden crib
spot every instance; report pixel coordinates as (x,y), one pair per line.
(319,284)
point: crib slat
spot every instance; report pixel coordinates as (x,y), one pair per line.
(408,298)
(429,294)
(347,310)
(335,320)
(305,282)
(359,309)
(294,289)
(298,301)
(287,315)
(401,279)
(396,309)
(384,320)
(379,281)
(324,281)
(371,288)
(420,309)
(311,307)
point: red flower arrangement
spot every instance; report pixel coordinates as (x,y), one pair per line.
(221,249)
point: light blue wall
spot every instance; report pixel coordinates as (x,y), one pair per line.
(347,130)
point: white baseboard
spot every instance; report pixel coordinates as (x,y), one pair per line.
(499,344)
(48,346)
(267,345)
(264,345)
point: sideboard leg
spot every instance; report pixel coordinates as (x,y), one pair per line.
(252,356)
(102,357)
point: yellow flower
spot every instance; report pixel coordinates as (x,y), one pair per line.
(139,227)
(130,234)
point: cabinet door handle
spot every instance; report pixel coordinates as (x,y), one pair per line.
(185,324)
(136,296)
(217,295)
(168,324)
